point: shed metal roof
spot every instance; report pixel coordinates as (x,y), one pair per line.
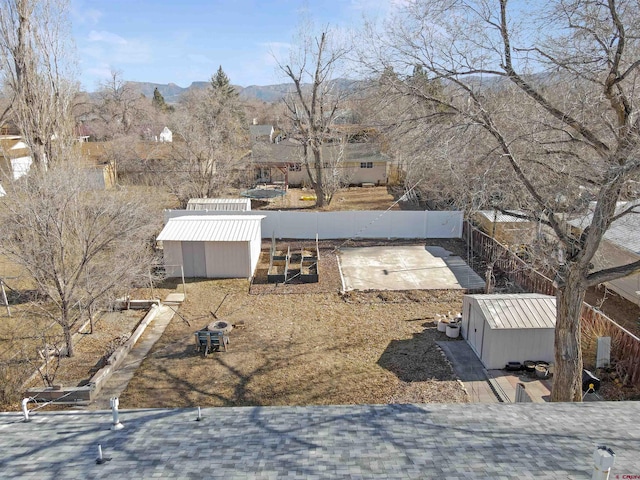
(511,311)
(209,228)
(220,204)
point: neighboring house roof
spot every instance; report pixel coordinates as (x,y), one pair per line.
(220,204)
(12,146)
(501,217)
(210,228)
(290,151)
(510,311)
(257,131)
(510,441)
(624,231)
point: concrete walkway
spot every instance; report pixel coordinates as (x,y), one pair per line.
(469,370)
(121,377)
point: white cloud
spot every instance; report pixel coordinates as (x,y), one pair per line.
(106,37)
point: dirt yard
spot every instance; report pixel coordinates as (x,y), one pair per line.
(305,349)
(301,344)
(352,198)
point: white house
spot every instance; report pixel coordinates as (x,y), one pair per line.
(207,246)
(503,328)
(166,135)
(15,157)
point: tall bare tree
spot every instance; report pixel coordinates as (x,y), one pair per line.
(38,73)
(81,247)
(121,110)
(212,143)
(551,95)
(316,98)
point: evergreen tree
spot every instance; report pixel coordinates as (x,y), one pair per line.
(158,101)
(221,83)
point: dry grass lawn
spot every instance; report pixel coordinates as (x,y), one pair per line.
(351,198)
(301,345)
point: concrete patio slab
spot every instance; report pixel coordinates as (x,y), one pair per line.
(405,268)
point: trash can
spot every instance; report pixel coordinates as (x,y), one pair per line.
(453,330)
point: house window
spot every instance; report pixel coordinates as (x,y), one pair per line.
(295,167)
(366,164)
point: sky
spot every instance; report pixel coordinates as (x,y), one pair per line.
(180,42)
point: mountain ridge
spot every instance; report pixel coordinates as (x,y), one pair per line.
(172,92)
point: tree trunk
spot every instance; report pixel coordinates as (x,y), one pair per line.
(68,340)
(567,378)
(66,329)
(318,185)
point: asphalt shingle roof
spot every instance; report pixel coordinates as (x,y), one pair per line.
(624,231)
(506,441)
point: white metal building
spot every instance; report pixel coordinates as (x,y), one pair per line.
(503,328)
(220,204)
(207,246)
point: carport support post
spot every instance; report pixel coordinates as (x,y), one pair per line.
(4,297)
(184,285)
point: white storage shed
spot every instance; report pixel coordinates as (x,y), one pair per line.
(207,246)
(503,328)
(220,204)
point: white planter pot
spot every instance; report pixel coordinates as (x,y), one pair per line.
(453,331)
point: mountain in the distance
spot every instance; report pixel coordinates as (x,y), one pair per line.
(172,92)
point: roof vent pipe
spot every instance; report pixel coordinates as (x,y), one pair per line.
(25,409)
(116,425)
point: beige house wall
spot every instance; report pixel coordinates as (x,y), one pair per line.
(353,174)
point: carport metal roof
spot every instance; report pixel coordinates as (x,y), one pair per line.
(220,204)
(526,310)
(212,228)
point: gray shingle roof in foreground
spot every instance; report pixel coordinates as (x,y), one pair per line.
(510,441)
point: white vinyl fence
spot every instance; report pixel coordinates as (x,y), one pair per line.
(349,224)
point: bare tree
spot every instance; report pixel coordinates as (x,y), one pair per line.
(80,247)
(553,97)
(313,105)
(37,66)
(212,141)
(121,111)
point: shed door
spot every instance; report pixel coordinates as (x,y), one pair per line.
(476,329)
(194,259)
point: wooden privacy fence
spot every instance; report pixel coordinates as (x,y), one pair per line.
(625,347)
(507,262)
